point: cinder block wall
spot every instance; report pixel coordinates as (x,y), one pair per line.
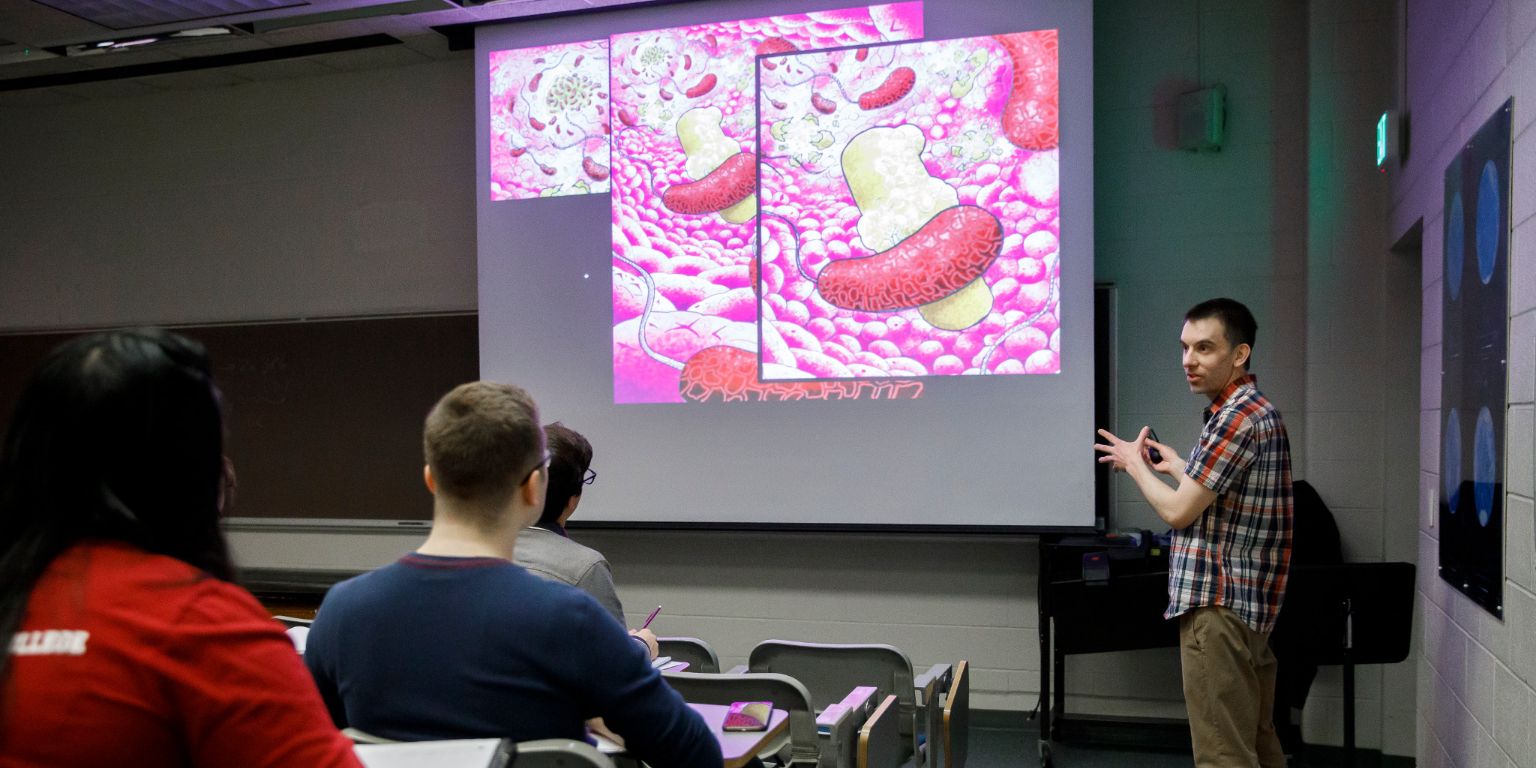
(1175,227)
(1476,675)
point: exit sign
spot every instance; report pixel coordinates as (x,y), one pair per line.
(1390,129)
(1381,140)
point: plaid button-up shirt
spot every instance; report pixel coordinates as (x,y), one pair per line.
(1238,553)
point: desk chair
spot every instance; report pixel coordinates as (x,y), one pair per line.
(838,727)
(880,740)
(448,753)
(786,693)
(559,753)
(930,689)
(1355,613)
(699,655)
(377,752)
(830,670)
(957,719)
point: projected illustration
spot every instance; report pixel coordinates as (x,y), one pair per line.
(549,121)
(911,208)
(685,107)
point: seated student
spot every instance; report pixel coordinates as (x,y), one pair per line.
(455,641)
(126,638)
(545,549)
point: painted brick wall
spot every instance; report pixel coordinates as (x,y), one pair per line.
(1476,676)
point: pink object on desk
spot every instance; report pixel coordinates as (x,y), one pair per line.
(737,748)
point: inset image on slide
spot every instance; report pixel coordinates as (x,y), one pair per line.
(549,121)
(685,107)
(910,209)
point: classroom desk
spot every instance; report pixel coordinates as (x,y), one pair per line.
(739,747)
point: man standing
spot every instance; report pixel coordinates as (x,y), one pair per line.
(455,641)
(1230,509)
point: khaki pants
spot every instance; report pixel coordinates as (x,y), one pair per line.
(1229,688)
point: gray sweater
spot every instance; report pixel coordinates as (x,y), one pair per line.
(551,556)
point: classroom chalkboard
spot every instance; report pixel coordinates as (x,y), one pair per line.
(323,417)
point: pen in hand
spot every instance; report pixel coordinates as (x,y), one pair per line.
(650,618)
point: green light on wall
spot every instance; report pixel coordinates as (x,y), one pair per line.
(1381,141)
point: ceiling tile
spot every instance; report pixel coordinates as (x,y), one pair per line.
(282,69)
(38,97)
(131,14)
(198,78)
(110,89)
(372,58)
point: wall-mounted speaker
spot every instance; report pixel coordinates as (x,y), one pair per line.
(1203,119)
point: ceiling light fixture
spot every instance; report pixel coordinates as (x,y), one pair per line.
(108,46)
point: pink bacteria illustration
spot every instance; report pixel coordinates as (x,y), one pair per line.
(724,187)
(1030,117)
(952,249)
(705,85)
(897,84)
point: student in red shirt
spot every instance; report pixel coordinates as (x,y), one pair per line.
(125,639)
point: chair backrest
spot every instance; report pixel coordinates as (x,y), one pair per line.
(785,692)
(699,655)
(880,740)
(559,753)
(1375,600)
(957,718)
(830,670)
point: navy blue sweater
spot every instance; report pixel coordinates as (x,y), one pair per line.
(459,647)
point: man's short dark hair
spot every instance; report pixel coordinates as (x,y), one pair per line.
(570,455)
(1236,321)
(481,441)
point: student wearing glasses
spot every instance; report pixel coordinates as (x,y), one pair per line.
(546,549)
(456,641)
